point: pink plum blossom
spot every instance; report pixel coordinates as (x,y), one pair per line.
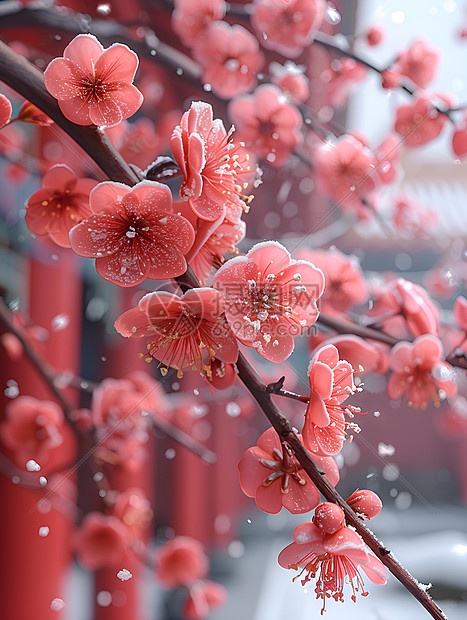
(181,562)
(230,57)
(93,85)
(419,63)
(272,475)
(419,122)
(101,541)
(191,18)
(5,111)
(179,329)
(210,163)
(291,79)
(419,372)
(133,508)
(345,283)
(412,219)
(345,171)
(62,203)
(203,596)
(269,298)
(268,125)
(32,428)
(331,383)
(365,503)
(338,79)
(287,26)
(133,233)
(333,554)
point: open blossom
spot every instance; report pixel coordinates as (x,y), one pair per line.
(210,163)
(338,79)
(332,554)
(331,383)
(401,301)
(287,26)
(419,122)
(203,596)
(133,508)
(269,298)
(272,475)
(230,57)
(32,428)
(419,372)
(268,125)
(62,203)
(345,283)
(412,219)
(181,562)
(419,63)
(180,329)
(345,170)
(101,541)
(291,79)
(133,233)
(93,85)
(191,17)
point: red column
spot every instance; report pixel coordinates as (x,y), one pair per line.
(33,567)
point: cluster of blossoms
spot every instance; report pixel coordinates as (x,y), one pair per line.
(261,300)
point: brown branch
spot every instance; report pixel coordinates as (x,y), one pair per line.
(246,373)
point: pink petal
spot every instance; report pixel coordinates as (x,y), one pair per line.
(306,534)
(316,412)
(5,110)
(59,178)
(165,261)
(75,110)
(348,543)
(268,441)
(328,355)
(270,257)
(278,348)
(400,358)
(375,570)
(84,50)
(321,379)
(104,196)
(328,465)
(118,63)
(269,499)
(132,324)
(99,235)
(301,498)
(428,349)
(63,80)
(252,473)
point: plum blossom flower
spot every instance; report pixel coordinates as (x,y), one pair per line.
(134,510)
(5,111)
(101,541)
(133,233)
(203,596)
(419,63)
(331,383)
(116,414)
(287,26)
(181,562)
(269,298)
(344,170)
(419,122)
(345,283)
(419,372)
(230,57)
(408,302)
(365,503)
(291,79)
(272,475)
(269,126)
(179,329)
(62,203)
(93,85)
(191,17)
(338,79)
(333,554)
(32,428)
(210,163)
(412,219)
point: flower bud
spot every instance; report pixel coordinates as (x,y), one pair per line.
(365,503)
(329,518)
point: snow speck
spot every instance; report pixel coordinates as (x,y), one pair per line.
(31,465)
(43,481)
(60,321)
(124,574)
(385,449)
(248,520)
(390,472)
(98,476)
(104,598)
(44,531)
(103,9)
(170,454)
(236,549)
(12,389)
(398,17)
(15,479)
(233,409)
(57,604)
(332,16)
(102,492)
